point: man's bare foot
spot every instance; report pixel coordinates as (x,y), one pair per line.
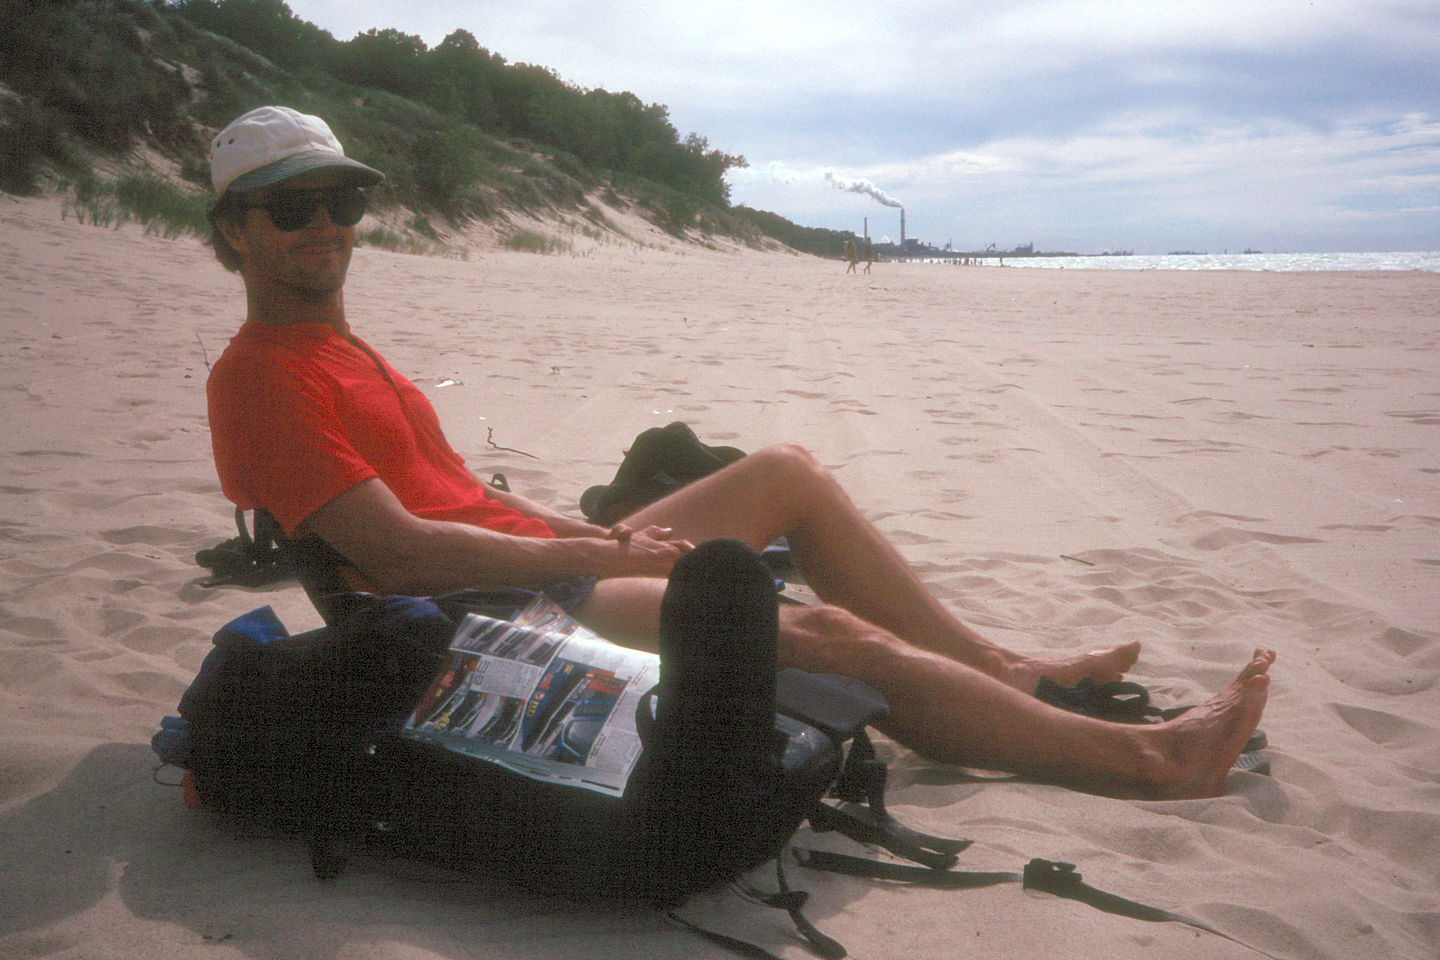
(1102,666)
(1192,754)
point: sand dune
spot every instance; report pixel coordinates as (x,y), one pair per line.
(1208,462)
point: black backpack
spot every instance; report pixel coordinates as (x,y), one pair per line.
(304,733)
(660,461)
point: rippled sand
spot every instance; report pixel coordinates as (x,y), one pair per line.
(1207,461)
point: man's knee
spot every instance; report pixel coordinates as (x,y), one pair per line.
(789,462)
(826,638)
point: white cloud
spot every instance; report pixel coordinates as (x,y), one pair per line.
(1128,180)
(1192,123)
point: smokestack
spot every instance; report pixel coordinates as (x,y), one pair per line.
(902,229)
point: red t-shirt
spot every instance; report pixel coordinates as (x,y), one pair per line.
(299,414)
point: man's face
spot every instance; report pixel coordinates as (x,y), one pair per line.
(308,264)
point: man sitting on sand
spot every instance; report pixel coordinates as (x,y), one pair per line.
(309,422)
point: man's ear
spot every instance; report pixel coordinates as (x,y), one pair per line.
(233,236)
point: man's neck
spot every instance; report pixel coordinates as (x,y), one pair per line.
(283,313)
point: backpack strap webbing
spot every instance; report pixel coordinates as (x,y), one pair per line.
(1047,876)
(792,902)
(860,813)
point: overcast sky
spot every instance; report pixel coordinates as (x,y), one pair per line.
(1146,125)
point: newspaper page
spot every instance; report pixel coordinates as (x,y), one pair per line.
(540,695)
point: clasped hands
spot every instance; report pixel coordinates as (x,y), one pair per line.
(654,548)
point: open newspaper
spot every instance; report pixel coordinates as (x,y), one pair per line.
(540,695)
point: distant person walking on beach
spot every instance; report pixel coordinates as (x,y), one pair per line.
(869,254)
(850,256)
(311,423)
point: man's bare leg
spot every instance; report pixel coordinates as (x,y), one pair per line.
(948,712)
(954,713)
(782,490)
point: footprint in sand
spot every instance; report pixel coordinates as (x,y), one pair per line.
(1385,729)
(1231,536)
(1423,417)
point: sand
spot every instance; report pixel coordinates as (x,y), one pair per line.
(1204,461)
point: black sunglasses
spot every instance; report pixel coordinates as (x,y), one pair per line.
(292,210)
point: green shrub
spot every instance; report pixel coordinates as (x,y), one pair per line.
(444,164)
(161,207)
(195,170)
(379,237)
(27,141)
(531,241)
(399,243)
(90,201)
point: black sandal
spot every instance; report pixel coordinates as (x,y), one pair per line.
(1125,701)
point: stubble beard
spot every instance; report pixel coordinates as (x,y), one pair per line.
(316,285)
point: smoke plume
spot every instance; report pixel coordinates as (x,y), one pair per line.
(862,186)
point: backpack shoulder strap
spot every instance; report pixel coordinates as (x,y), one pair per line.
(842,707)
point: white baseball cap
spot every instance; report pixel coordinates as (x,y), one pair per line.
(270,144)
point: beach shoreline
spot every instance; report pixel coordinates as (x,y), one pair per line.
(1208,461)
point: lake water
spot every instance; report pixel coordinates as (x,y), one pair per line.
(1236,261)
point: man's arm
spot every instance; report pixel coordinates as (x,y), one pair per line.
(402,553)
(562,525)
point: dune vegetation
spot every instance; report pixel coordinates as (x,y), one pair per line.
(112,103)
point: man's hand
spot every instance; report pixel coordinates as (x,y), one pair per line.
(648,552)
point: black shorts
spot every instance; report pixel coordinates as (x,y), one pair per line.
(569,594)
(504,604)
